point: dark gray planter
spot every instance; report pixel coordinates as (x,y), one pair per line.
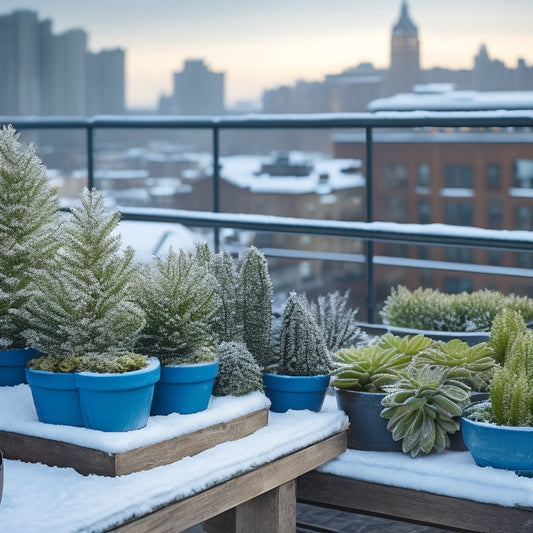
(367,431)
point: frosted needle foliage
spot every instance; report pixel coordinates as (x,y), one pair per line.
(83,304)
(28,210)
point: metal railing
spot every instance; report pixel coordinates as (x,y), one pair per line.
(368,231)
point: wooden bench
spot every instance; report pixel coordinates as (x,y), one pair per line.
(260,501)
(363,497)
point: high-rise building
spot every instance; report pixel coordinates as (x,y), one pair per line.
(198,90)
(46,73)
(404,69)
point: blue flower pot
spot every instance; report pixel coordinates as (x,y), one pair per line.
(12,364)
(367,431)
(117,402)
(506,447)
(184,389)
(55,396)
(295,392)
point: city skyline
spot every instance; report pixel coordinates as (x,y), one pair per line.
(293,40)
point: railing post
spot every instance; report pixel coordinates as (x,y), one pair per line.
(369,244)
(216,183)
(90,157)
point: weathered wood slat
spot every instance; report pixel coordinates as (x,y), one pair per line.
(90,461)
(240,490)
(363,497)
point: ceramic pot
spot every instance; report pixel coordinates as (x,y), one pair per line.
(55,396)
(367,431)
(295,392)
(506,447)
(117,402)
(184,389)
(12,364)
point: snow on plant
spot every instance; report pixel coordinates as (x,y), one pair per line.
(337,321)
(422,408)
(303,350)
(28,223)
(505,327)
(432,310)
(179,297)
(83,304)
(238,373)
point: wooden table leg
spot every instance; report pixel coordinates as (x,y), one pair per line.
(271,512)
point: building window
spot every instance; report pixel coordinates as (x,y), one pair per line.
(523,173)
(458,176)
(458,213)
(493,177)
(394,175)
(396,208)
(423,175)
(458,254)
(495,214)
(424,212)
(523,218)
(524,259)
(456,285)
(495,257)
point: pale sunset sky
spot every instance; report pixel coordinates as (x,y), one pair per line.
(262,44)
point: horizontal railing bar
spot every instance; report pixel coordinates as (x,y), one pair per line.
(404,119)
(421,234)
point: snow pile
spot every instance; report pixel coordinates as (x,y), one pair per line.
(43,499)
(452,474)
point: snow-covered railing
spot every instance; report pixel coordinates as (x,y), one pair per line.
(369,231)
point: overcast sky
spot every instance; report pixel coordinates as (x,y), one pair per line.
(263,44)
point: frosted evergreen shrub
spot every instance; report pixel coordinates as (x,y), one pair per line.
(303,350)
(430,309)
(180,299)
(337,321)
(238,373)
(28,223)
(83,305)
(505,328)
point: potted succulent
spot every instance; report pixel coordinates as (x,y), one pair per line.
(499,432)
(83,316)
(302,368)
(180,299)
(467,316)
(414,375)
(28,211)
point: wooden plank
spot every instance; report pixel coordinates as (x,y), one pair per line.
(409,505)
(220,498)
(90,461)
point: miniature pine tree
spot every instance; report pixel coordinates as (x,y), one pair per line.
(180,299)
(303,350)
(28,209)
(83,305)
(238,373)
(256,304)
(337,321)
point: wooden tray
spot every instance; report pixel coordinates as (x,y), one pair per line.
(91,461)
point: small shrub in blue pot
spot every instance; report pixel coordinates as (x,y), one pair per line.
(301,376)
(180,299)
(28,212)
(83,315)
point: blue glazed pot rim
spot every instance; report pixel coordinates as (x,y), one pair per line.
(56,380)
(282,382)
(189,373)
(127,380)
(496,427)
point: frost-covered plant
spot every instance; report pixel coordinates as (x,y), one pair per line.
(422,408)
(180,299)
(28,224)
(505,328)
(511,389)
(337,321)
(83,304)
(472,365)
(245,291)
(303,350)
(432,310)
(371,368)
(238,373)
